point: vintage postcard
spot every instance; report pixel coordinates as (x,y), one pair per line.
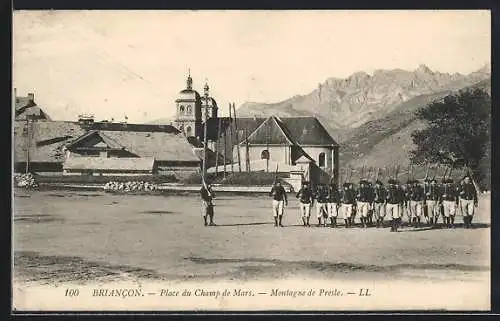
(251,160)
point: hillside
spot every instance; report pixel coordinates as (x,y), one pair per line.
(344,104)
(387,141)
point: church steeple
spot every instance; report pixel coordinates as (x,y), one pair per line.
(206,88)
(189,81)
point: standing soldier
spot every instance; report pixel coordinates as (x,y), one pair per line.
(207,205)
(348,200)
(364,199)
(425,210)
(321,197)
(468,200)
(432,200)
(305,197)
(406,201)
(416,202)
(394,200)
(280,200)
(379,202)
(333,203)
(450,202)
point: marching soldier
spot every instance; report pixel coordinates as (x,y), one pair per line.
(395,198)
(416,202)
(406,201)
(468,200)
(364,199)
(305,197)
(450,202)
(426,185)
(333,203)
(348,201)
(372,199)
(280,200)
(432,200)
(379,202)
(321,197)
(207,205)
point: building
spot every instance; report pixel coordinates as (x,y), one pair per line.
(26,107)
(294,144)
(102,148)
(190,110)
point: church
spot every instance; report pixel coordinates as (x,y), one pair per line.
(292,144)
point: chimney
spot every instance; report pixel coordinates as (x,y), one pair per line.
(31,97)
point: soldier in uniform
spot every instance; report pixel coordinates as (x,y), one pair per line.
(416,202)
(450,202)
(468,200)
(207,206)
(321,197)
(406,201)
(395,198)
(348,199)
(333,203)
(305,197)
(432,200)
(379,204)
(280,200)
(363,201)
(425,210)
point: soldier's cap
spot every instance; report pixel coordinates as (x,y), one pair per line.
(466,176)
(448,181)
(346,184)
(392,181)
(433,181)
(379,182)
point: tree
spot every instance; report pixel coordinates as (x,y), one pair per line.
(458,131)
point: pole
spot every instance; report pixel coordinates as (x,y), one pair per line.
(247,150)
(237,137)
(27,143)
(217,149)
(231,138)
(205,140)
(225,151)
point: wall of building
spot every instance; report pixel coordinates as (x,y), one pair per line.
(315,151)
(280,154)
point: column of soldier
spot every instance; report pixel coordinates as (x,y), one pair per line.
(421,202)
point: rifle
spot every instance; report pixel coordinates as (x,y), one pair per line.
(397,173)
(436,171)
(376,175)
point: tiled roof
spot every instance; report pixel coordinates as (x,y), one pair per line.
(271,132)
(308,131)
(24,107)
(101,163)
(47,139)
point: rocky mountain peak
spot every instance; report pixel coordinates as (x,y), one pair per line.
(424,69)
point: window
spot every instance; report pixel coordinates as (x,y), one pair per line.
(188,131)
(264,154)
(181,109)
(321,160)
(189,110)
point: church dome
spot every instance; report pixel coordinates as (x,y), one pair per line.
(211,102)
(188,94)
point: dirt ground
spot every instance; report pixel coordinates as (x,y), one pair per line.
(63,236)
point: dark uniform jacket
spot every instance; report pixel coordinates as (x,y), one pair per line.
(433,193)
(395,195)
(417,193)
(321,194)
(305,195)
(278,193)
(380,194)
(365,194)
(348,196)
(333,194)
(207,196)
(468,192)
(449,193)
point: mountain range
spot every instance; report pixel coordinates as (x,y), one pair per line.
(372,116)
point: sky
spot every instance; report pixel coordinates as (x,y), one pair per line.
(114,64)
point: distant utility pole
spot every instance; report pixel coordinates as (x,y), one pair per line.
(237,137)
(231,138)
(205,138)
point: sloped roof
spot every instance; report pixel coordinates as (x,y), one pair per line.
(26,107)
(47,139)
(101,163)
(159,145)
(307,131)
(271,132)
